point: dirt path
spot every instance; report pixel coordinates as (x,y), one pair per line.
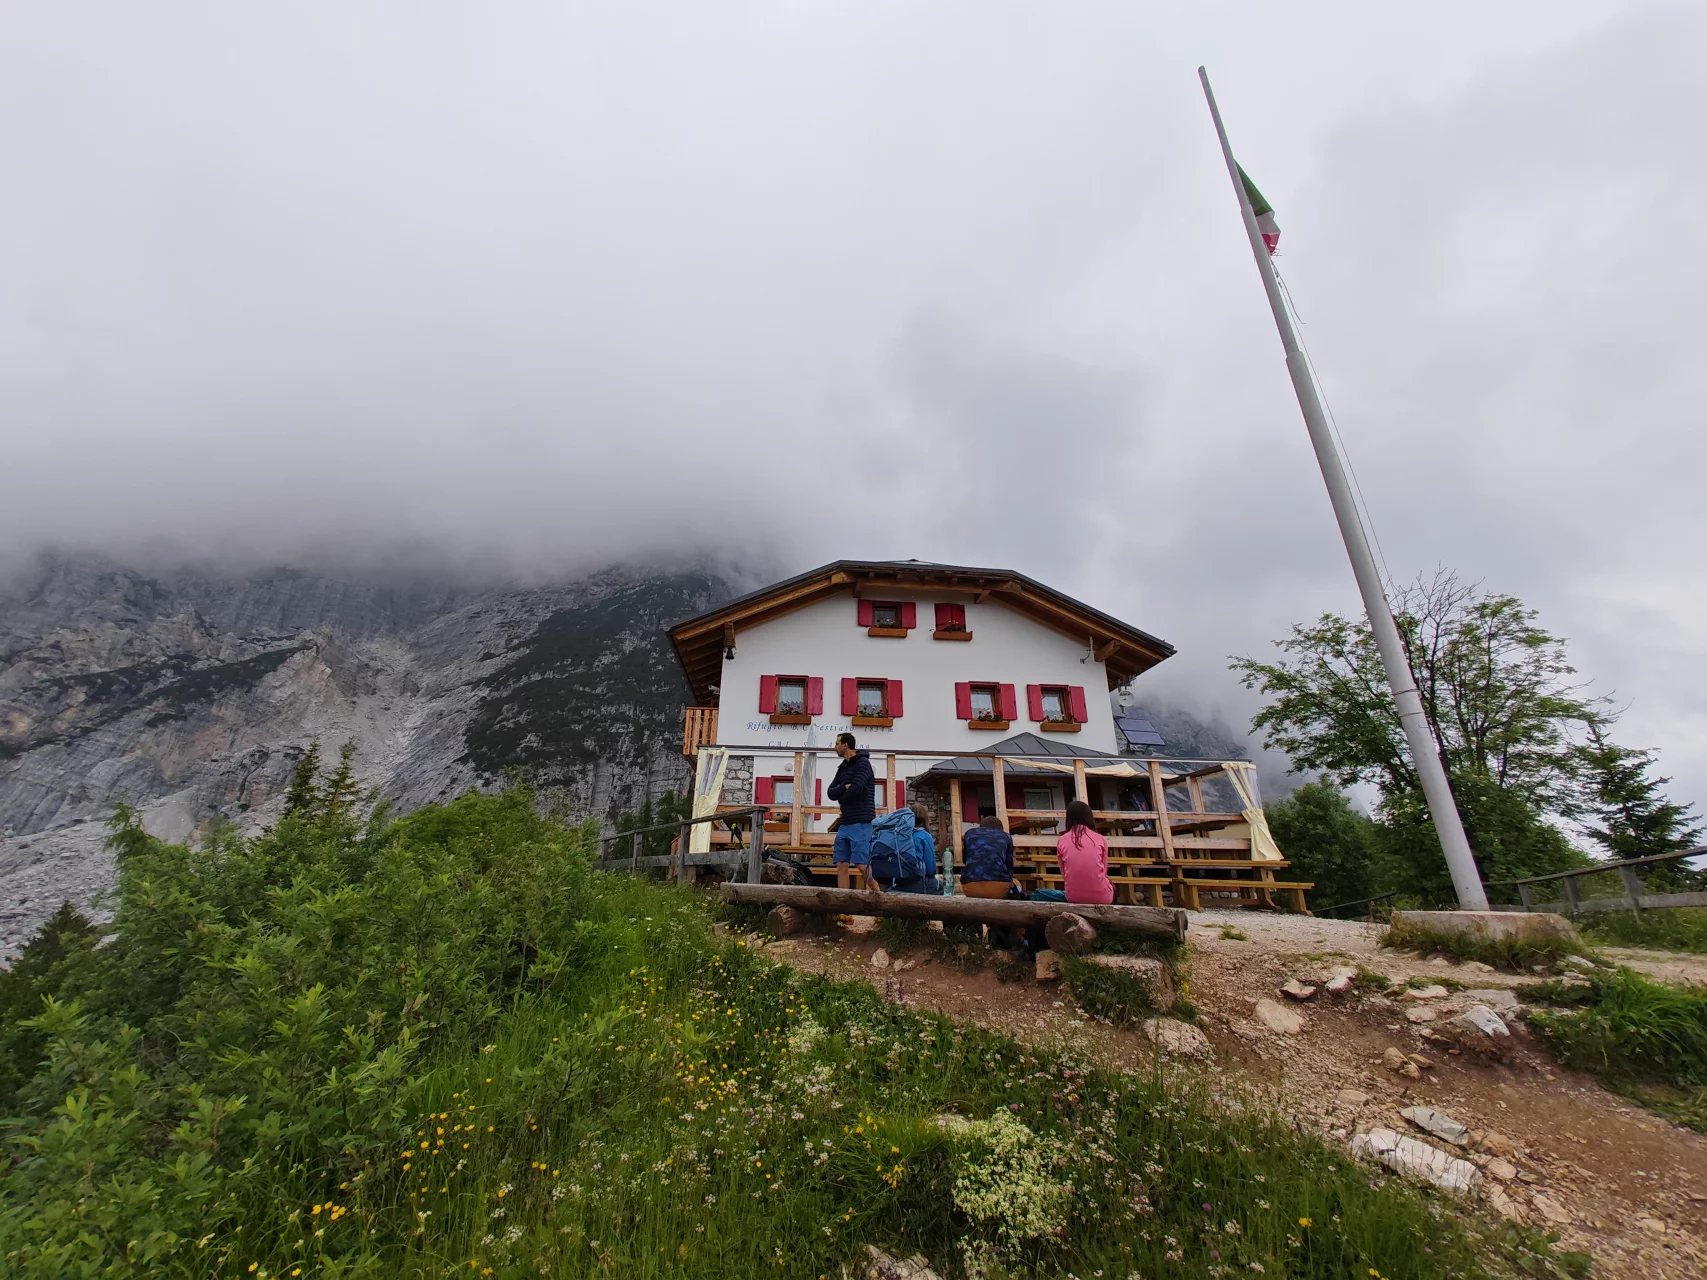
(1613,1180)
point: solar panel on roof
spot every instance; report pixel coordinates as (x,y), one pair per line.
(1139,731)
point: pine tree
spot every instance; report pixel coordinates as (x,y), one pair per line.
(339,796)
(303,797)
(1636,820)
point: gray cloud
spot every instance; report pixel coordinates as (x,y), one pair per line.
(546,286)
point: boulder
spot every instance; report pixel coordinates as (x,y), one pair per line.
(1297,990)
(785,922)
(1048,966)
(1493,997)
(1352,1098)
(1416,1159)
(1070,934)
(1180,1039)
(1151,974)
(1438,1123)
(1486,926)
(880,959)
(1277,1018)
(1420,1013)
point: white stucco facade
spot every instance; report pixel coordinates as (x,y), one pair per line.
(824,640)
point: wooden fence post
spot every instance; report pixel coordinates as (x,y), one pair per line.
(953,832)
(794,809)
(1632,887)
(1528,899)
(1573,893)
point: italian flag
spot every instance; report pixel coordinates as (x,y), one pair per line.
(1263,210)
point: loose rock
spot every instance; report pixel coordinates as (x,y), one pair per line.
(1297,990)
(1503,1204)
(1340,981)
(1421,1013)
(1551,1209)
(1493,997)
(1416,1159)
(1584,965)
(1048,966)
(1278,1019)
(1172,1036)
(1350,1098)
(878,1265)
(1438,1123)
(880,959)
(1479,1020)
(1504,1170)
(1434,991)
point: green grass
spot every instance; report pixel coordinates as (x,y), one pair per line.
(1643,1038)
(1511,954)
(1107,994)
(446,1046)
(1670,929)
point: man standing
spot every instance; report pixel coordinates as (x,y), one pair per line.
(855,789)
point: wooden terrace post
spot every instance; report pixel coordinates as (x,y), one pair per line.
(953,830)
(1081,790)
(756,851)
(794,809)
(998,775)
(889,796)
(1194,787)
(1183,894)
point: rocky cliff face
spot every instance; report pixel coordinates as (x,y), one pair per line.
(192,695)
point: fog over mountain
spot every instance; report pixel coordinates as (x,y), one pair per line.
(512,296)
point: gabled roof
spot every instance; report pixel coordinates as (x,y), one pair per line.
(1021,744)
(1125,650)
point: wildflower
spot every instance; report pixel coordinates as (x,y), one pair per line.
(1304,1222)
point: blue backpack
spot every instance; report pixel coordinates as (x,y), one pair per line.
(892,854)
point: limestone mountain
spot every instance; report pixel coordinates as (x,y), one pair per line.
(192,694)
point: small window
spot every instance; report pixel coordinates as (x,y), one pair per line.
(1037,798)
(885,615)
(790,696)
(782,791)
(986,702)
(1055,703)
(873,698)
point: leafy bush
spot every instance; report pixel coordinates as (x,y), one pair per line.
(447,1046)
(1671,929)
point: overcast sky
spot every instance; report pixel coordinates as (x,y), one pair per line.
(558,284)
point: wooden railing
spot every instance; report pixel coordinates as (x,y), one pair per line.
(1635,896)
(699,729)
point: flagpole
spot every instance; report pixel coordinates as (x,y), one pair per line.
(1425,752)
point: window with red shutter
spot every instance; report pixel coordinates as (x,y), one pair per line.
(888,618)
(767,695)
(1034,701)
(1060,708)
(963,701)
(951,623)
(789,698)
(864,613)
(850,696)
(986,705)
(1010,703)
(764,790)
(893,702)
(871,706)
(909,615)
(1076,703)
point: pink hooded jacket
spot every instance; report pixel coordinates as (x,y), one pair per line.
(1083,855)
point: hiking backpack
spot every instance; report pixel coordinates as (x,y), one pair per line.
(893,857)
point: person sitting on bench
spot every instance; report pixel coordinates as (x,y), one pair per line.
(987,861)
(1083,854)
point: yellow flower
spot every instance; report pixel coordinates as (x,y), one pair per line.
(1303,1222)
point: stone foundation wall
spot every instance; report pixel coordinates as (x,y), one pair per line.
(737,781)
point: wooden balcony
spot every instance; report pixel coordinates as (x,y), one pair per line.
(699,728)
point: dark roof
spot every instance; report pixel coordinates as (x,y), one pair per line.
(1135,727)
(1124,650)
(1021,744)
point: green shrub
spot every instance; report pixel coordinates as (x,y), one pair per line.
(1668,929)
(446,1046)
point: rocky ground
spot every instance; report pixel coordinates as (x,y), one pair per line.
(1546,1146)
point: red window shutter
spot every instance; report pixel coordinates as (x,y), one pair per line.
(1010,703)
(850,696)
(900,793)
(909,614)
(818,794)
(1016,795)
(1034,701)
(865,613)
(767,695)
(814,695)
(892,701)
(1076,703)
(764,790)
(949,616)
(963,701)
(969,807)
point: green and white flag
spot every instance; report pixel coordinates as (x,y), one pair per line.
(1264,212)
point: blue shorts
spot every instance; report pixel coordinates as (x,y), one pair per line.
(853,844)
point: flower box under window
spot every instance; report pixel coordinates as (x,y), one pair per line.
(1058,708)
(871,703)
